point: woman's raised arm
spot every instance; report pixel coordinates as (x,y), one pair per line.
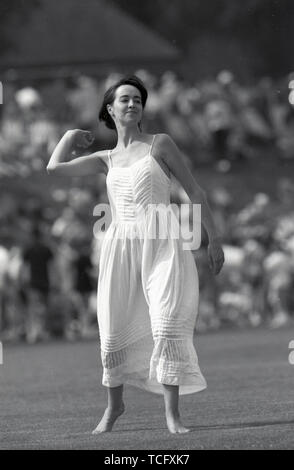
(81,166)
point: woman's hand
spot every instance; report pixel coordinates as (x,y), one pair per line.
(216,257)
(73,144)
(80,139)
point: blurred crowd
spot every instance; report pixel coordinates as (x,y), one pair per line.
(213,121)
(256,284)
(49,259)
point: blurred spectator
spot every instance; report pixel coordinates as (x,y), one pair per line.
(11,319)
(83,286)
(278,273)
(254,221)
(4,261)
(37,257)
(253,276)
(218,115)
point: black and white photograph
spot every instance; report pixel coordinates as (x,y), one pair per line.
(146,227)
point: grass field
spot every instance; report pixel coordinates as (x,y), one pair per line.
(51,397)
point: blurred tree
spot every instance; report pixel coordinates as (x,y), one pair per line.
(267,25)
(186,18)
(13,11)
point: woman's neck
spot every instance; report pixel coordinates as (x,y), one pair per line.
(126,136)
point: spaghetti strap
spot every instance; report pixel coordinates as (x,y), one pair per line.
(109,158)
(151,146)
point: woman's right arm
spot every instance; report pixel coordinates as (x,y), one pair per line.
(81,166)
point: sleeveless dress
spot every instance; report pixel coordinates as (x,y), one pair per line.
(147,288)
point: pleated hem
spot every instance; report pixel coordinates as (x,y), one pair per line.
(187,384)
(148,364)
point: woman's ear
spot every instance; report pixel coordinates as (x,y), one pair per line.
(109,109)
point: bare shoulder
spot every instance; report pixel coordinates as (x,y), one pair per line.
(162,139)
(164,147)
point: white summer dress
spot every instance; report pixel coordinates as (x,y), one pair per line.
(147,289)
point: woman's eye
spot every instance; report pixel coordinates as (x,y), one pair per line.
(125,100)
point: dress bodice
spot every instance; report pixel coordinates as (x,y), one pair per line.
(133,188)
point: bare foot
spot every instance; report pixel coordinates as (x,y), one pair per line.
(175,425)
(108,420)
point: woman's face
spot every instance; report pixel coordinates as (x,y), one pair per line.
(127,108)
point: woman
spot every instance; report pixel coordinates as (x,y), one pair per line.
(148,287)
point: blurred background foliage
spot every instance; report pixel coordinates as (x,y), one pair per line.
(252,38)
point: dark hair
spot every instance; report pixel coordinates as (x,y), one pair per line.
(109,97)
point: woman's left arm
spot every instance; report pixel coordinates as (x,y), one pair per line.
(174,159)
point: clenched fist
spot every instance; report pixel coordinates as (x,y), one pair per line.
(81,139)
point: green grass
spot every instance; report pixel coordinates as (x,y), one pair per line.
(51,397)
